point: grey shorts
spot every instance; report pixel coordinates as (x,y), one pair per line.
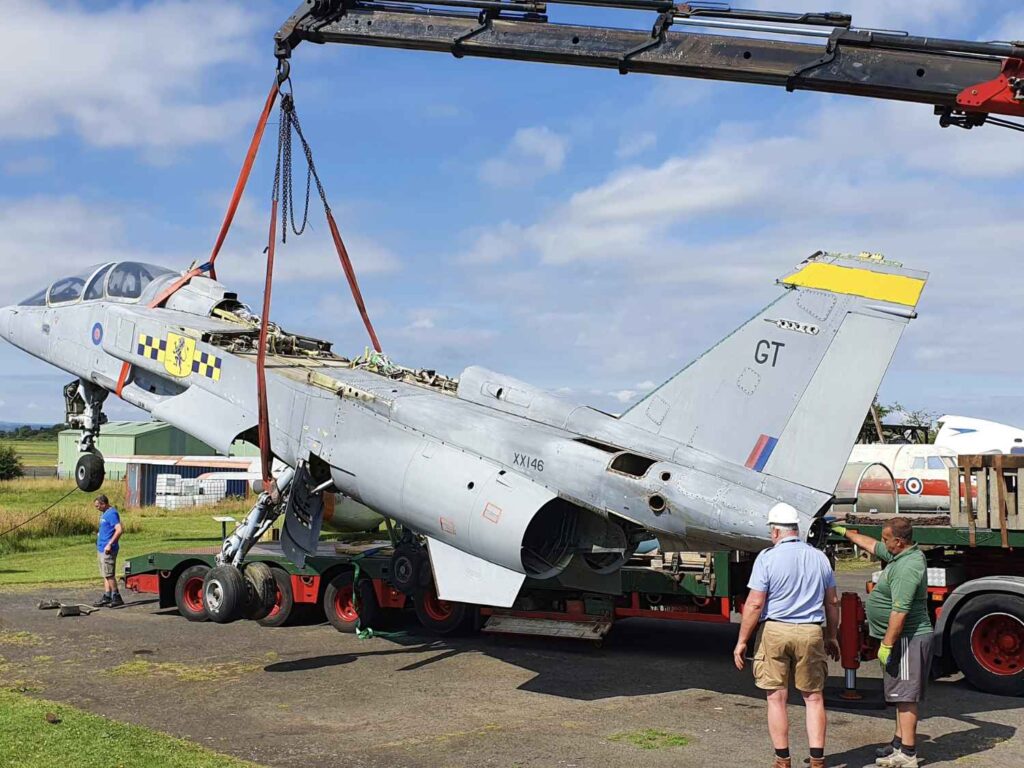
(906,675)
(108,564)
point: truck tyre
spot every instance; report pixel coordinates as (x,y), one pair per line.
(223,593)
(987,639)
(260,591)
(343,612)
(188,593)
(89,472)
(284,601)
(442,617)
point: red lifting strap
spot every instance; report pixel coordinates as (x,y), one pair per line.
(350,274)
(236,197)
(263,425)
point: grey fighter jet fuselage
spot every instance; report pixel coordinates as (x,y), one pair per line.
(505,480)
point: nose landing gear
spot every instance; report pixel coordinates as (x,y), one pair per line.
(83,406)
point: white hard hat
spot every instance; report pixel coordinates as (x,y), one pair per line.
(783,514)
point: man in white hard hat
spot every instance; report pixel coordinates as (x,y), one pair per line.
(792,593)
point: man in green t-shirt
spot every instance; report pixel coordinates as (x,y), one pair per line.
(897,611)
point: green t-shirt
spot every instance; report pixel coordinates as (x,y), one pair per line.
(902,587)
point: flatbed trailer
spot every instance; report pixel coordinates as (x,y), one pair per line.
(579,603)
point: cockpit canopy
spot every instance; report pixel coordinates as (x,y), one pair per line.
(116,281)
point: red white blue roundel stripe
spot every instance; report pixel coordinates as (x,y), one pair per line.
(913,486)
(97,334)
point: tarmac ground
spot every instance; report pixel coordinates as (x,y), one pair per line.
(309,696)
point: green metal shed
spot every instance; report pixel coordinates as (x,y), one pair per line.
(129,438)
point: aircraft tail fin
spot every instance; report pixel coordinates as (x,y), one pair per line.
(787,393)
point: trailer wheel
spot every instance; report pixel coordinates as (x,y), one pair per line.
(441,617)
(340,606)
(188,593)
(260,591)
(223,593)
(987,639)
(284,601)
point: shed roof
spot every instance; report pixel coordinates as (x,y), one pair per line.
(127,428)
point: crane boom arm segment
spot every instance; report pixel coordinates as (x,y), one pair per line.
(957,77)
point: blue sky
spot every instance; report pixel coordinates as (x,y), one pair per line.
(577,229)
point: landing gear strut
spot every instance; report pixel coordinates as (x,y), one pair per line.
(234,589)
(83,403)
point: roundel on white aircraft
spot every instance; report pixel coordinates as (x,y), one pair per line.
(914,486)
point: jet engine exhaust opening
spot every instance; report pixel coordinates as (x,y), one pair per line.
(549,538)
(657,503)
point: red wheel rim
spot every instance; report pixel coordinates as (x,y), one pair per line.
(193,594)
(435,608)
(277,603)
(344,608)
(997,642)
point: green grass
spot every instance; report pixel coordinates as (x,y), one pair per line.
(88,741)
(35,453)
(649,738)
(51,553)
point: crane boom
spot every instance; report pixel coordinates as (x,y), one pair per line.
(965,81)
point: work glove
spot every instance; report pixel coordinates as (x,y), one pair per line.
(884,652)
(837,529)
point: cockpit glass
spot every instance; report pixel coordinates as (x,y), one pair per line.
(95,289)
(129,278)
(35,300)
(66,289)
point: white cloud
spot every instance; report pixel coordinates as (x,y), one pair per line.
(493,246)
(631,145)
(533,154)
(124,75)
(636,275)
(50,237)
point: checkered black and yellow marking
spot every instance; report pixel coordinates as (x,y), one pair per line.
(207,365)
(152,347)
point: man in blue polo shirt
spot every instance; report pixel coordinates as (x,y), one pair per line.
(792,593)
(107,538)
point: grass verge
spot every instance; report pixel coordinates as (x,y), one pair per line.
(650,738)
(35,453)
(36,733)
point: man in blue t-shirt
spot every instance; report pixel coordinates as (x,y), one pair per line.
(107,538)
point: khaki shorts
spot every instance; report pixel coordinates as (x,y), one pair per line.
(791,652)
(108,564)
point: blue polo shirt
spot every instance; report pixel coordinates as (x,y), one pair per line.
(794,575)
(109,520)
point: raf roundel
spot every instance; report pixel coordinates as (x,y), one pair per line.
(97,334)
(914,486)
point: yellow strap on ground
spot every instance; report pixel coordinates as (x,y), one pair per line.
(855,281)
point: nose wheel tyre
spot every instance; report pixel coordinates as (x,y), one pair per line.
(987,639)
(341,608)
(188,593)
(223,593)
(89,472)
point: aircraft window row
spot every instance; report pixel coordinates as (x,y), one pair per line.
(126,280)
(931,462)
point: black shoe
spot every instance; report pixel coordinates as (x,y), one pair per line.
(117,601)
(103,602)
